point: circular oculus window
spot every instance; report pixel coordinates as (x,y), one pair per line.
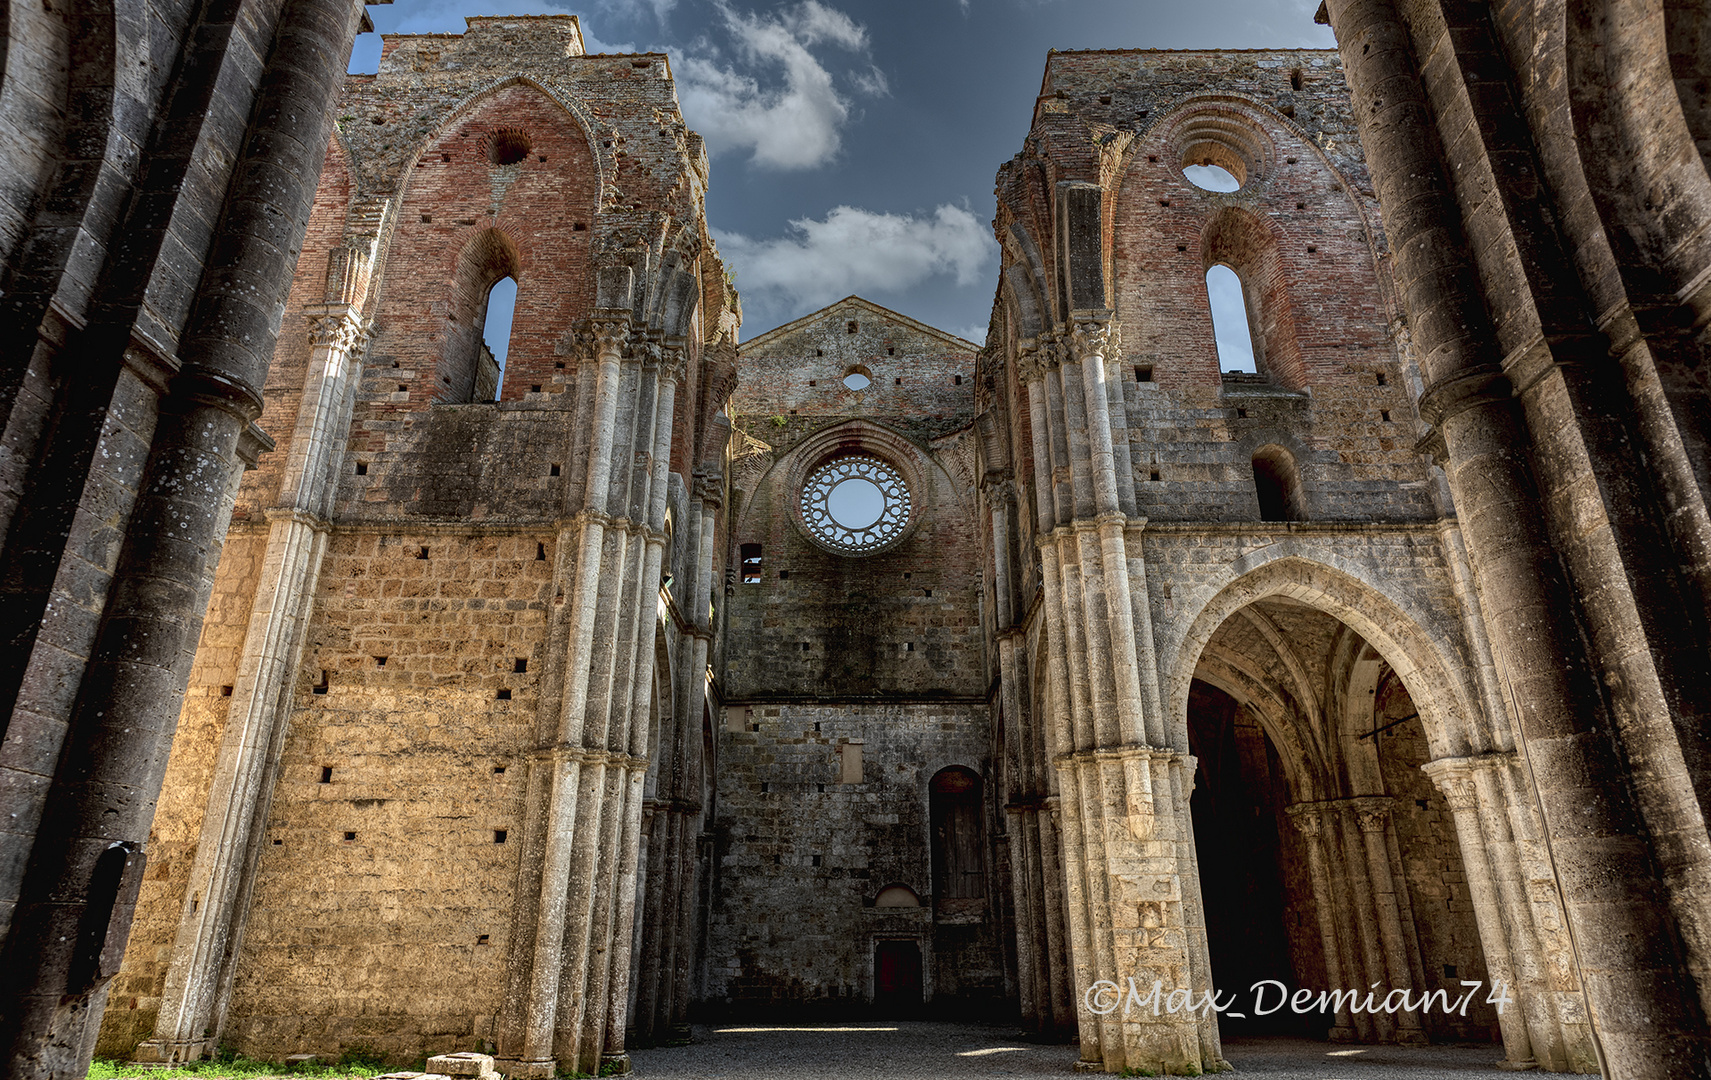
(855,505)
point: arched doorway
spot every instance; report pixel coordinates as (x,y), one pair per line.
(1328,859)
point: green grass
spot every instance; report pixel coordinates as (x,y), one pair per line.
(355,1066)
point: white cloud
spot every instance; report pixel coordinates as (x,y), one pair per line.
(859,251)
(795,126)
(976,334)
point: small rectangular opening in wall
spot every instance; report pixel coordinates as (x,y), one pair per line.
(403,388)
(362,468)
(326,774)
(958,380)
(499,836)
(764,786)
(483,939)
(558,365)
(380,661)
(225,691)
(1311,248)
(445,157)
(1300,206)
(1384,414)
(421,553)
(277,842)
(1143,373)
(898,382)
(498,770)
(1164,202)
(784,575)
(1241,413)
(540,553)
(1380,378)
(816,860)
(908,646)
(1295,80)
(750,555)
(929,592)
(1104,99)
(819,352)
(350,836)
(553,469)
(1150,157)
(580,226)
(535,388)
(320,687)
(503,695)
(520,665)
(1182,247)
(813,382)
(852,327)
(1154,475)
(1289,161)
(427,219)
(849,762)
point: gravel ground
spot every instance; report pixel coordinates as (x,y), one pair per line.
(905,1049)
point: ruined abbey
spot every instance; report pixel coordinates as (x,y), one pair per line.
(363,690)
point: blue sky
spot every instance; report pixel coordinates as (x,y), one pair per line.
(855,143)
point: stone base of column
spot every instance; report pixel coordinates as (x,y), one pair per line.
(520,1069)
(172,1051)
(615,1064)
(1517,1066)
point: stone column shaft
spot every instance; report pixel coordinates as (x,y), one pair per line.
(1643,1000)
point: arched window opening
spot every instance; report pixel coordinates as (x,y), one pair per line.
(478,320)
(959,866)
(751,564)
(495,339)
(1230,328)
(897,896)
(1277,485)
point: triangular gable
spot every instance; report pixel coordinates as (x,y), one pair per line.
(867,307)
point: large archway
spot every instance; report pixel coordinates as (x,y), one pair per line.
(1328,859)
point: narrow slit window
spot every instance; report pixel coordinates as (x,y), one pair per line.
(1230,328)
(496,331)
(751,564)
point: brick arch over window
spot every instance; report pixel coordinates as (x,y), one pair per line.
(1296,233)
(488,258)
(467,218)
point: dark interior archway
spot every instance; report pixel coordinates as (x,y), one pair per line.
(1257,922)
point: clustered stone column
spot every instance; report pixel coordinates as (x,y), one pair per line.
(1036,880)
(204,952)
(1366,926)
(677,810)
(1627,939)
(73,916)
(1131,895)
(1519,915)
(570,957)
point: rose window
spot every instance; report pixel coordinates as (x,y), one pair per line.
(855,505)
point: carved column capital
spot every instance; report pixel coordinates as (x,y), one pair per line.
(1371,814)
(340,327)
(1308,819)
(1094,339)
